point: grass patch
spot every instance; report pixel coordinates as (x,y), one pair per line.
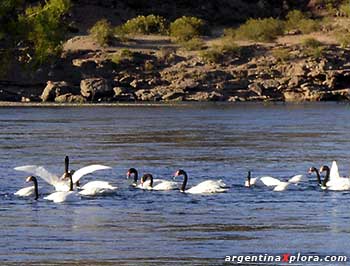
(313,47)
(123,55)
(343,38)
(261,30)
(281,54)
(102,32)
(186,28)
(211,56)
(194,44)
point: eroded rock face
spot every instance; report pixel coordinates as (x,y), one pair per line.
(54,89)
(70,98)
(95,88)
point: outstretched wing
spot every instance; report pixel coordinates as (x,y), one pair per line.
(88,170)
(270,181)
(41,172)
(334,173)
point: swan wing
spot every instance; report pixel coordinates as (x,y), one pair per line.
(295,179)
(98,184)
(88,170)
(207,187)
(282,186)
(270,181)
(41,172)
(166,185)
(334,172)
(63,196)
(25,192)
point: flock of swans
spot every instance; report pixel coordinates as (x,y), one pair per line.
(68,188)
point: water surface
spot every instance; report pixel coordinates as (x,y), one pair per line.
(134,227)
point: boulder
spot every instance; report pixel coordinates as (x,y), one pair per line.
(54,89)
(123,94)
(70,98)
(95,88)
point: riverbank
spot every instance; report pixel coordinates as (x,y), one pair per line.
(153,69)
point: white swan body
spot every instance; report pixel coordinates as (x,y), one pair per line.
(157,184)
(25,192)
(336,183)
(63,196)
(55,181)
(94,188)
(208,187)
(280,185)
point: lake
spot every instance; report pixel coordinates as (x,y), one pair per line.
(209,141)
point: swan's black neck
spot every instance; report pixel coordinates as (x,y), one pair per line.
(318,177)
(135,173)
(70,182)
(145,177)
(35,187)
(326,179)
(184,183)
(248,178)
(66,165)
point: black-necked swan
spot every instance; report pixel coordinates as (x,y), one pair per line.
(154,185)
(92,188)
(29,191)
(205,187)
(271,181)
(337,183)
(146,184)
(278,184)
(315,170)
(64,196)
(60,184)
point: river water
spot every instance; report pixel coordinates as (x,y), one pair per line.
(209,141)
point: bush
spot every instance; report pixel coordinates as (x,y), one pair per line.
(227,45)
(102,32)
(150,24)
(262,30)
(211,56)
(194,44)
(123,55)
(345,9)
(296,20)
(313,47)
(186,28)
(44,29)
(281,54)
(343,38)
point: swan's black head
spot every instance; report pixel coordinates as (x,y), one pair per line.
(324,168)
(145,177)
(130,172)
(31,178)
(179,172)
(312,169)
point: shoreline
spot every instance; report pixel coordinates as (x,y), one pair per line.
(164,104)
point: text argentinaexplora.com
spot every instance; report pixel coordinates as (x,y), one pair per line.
(286,257)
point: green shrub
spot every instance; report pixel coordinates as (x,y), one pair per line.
(123,55)
(227,45)
(345,9)
(211,56)
(150,24)
(186,28)
(102,32)
(281,54)
(43,27)
(343,38)
(230,33)
(194,44)
(296,20)
(262,30)
(313,47)
(311,43)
